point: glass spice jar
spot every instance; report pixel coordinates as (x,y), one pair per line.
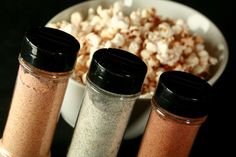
(114,82)
(179,107)
(46,62)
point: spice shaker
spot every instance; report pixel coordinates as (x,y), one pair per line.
(114,82)
(46,61)
(179,107)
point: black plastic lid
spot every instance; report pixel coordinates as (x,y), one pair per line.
(49,49)
(183,94)
(117,71)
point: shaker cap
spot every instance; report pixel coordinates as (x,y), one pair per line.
(183,94)
(117,71)
(49,49)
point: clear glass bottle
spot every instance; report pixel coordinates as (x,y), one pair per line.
(179,107)
(114,83)
(46,62)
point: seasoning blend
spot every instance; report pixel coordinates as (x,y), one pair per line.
(179,107)
(46,62)
(114,82)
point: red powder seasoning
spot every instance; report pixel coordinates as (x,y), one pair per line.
(179,107)
(46,62)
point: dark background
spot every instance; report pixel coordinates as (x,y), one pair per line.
(215,136)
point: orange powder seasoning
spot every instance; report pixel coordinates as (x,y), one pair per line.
(179,107)
(46,62)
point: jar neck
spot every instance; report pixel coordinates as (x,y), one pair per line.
(42,73)
(179,119)
(96,89)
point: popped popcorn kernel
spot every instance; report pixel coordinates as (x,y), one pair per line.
(162,43)
(76,18)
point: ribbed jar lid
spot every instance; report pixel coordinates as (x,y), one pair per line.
(183,94)
(117,71)
(50,49)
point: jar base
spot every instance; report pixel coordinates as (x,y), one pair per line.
(5,153)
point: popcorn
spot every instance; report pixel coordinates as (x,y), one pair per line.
(165,30)
(118,40)
(70,29)
(76,18)
(162,43)
(150,46)
(134,46)
(93,39)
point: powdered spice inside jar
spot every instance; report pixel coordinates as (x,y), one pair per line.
(179,107)
(113,85)
(46,62)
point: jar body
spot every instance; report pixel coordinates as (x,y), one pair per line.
(168,135)
(101,123)
(33,113)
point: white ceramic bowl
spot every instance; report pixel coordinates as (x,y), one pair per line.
(216,45)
